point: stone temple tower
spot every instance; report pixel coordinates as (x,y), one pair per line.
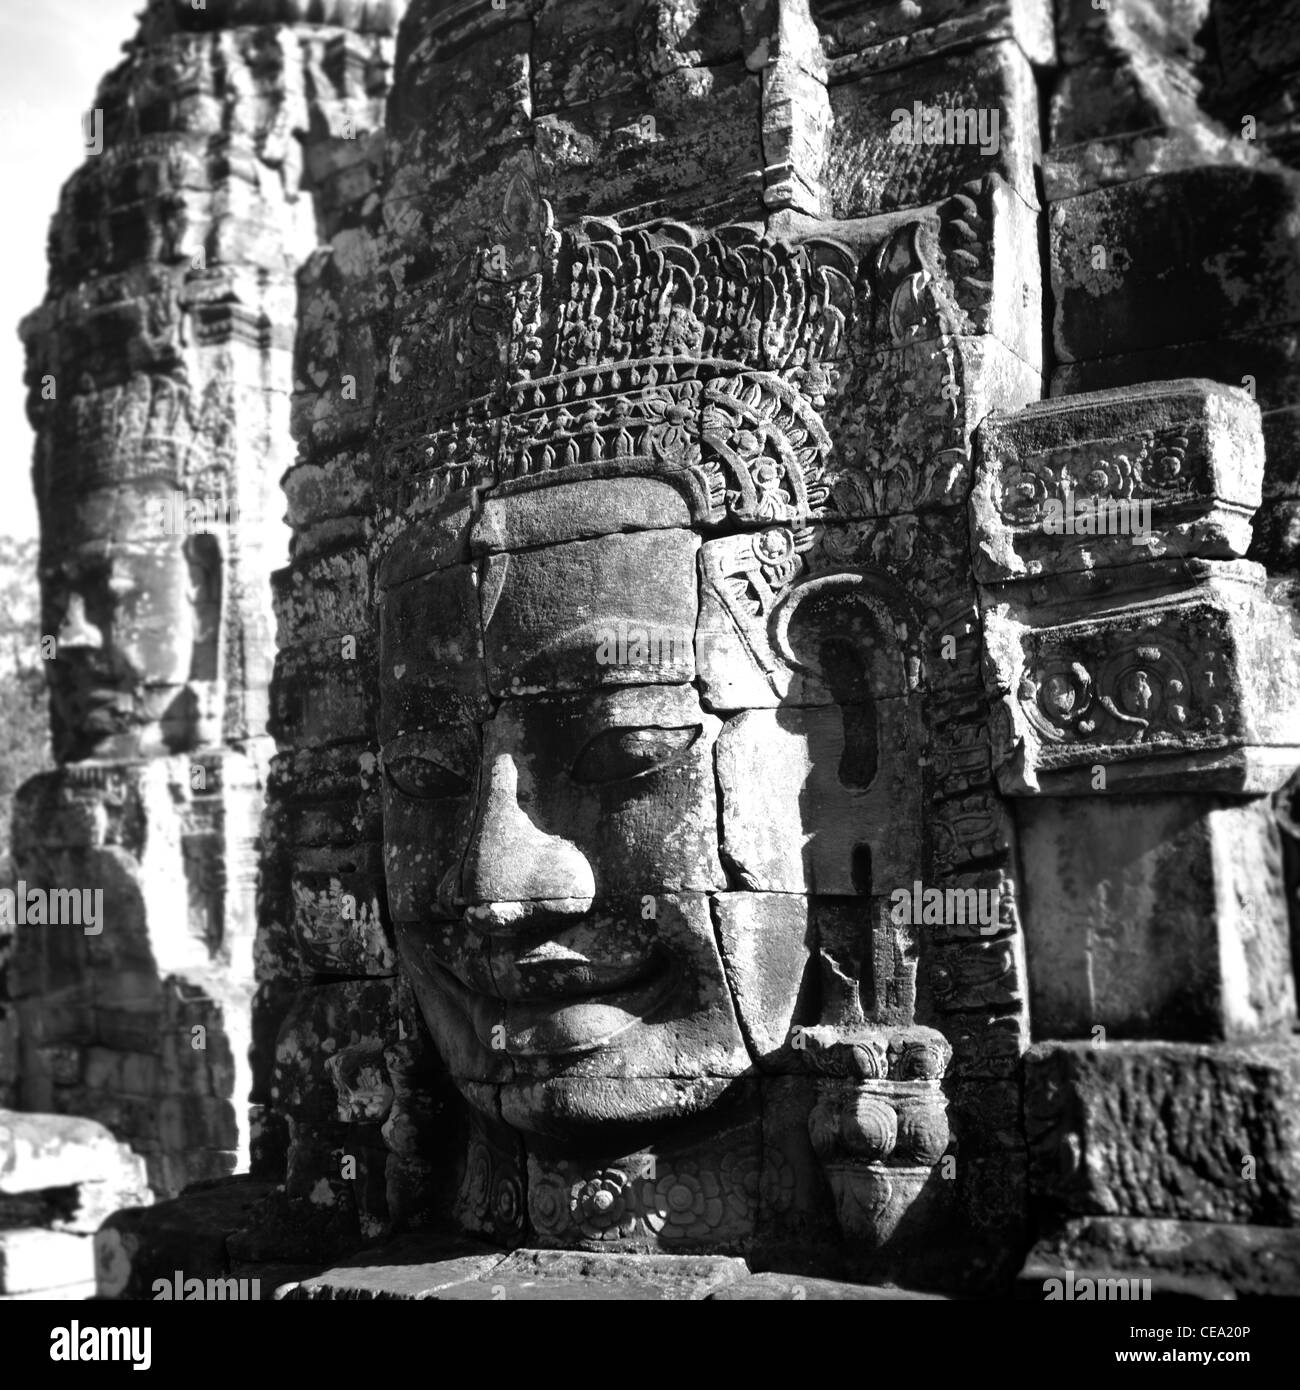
(232,140)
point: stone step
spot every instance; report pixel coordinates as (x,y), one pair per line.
(417,1268)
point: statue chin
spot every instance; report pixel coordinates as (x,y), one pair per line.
(614,1113)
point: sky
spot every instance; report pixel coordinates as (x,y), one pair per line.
(51,59)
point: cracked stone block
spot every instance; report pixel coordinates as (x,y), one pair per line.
(600,507)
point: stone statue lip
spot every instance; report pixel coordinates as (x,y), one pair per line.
(560,1026)
(552,968)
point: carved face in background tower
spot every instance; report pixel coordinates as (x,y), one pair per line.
(136,625)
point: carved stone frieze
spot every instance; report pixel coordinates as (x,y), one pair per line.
(1112,479)
(1150,692)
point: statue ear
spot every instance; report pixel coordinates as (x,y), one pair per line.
(851,632)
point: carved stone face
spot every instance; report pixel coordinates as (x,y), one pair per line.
(552,825)
(126,625)
(653,728)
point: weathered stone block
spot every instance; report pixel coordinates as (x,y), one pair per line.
(1164,1258)
(821,800)
(323,1020)
(1265,363)
(969,829)
(1165,1130)
(454,1273)
(682,145)
(601,507)
(1156,916)
(1112,479)
(768,945)
(1118,289)
(540,633)
(134,1248)
(320,695)
(659,1007)
(902,422)
(1133,99)
(43,1151)
(431,650)
(861,37)
(323,596)
(411,1267)
(1200,679)
(339,912)
(585,51)
(978,116)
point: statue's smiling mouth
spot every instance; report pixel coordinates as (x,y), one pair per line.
(559,1015)
(547,951)
(591,958)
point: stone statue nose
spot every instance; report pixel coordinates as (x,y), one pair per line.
(510,858)
(75,630)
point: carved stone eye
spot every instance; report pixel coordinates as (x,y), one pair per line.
(423,779)
(620,754)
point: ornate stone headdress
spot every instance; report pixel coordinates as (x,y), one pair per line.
(704,359)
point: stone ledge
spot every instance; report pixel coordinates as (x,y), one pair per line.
(417,1268)
(1182,1259)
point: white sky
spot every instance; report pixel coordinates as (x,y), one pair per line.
(51,59)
